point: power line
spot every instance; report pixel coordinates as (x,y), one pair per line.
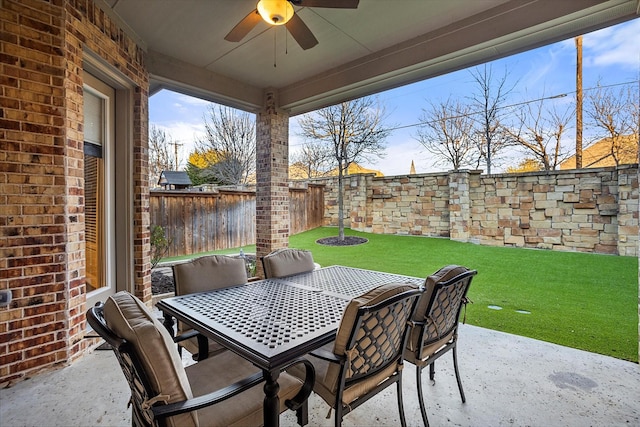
(561,95)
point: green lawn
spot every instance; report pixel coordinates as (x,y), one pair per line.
(579,300)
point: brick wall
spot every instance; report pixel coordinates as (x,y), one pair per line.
(590,210)
(272,189)
(41,175)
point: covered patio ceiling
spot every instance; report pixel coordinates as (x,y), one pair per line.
(378,46)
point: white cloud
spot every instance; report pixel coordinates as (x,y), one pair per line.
(613,46)
(193,101)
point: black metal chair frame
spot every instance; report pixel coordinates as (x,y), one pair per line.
(364,313)
(156,414)
(451,325)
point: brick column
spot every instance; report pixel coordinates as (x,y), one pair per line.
(272,187)
(459,205)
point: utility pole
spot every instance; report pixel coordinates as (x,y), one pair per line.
(578,102)
(175,153)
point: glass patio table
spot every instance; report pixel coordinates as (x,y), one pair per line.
(272,322)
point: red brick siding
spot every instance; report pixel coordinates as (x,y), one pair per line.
(272,198)
(41,175)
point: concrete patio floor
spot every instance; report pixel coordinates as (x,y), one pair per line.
(508,380)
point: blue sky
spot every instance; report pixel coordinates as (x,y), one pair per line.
(610,56)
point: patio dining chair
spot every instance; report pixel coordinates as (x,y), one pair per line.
(434,329)
(200,275)
(286,262)
(221,391)
(366,356)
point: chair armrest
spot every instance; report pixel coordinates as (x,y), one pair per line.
(203,343)
(187,335)
(171,409)
(327,355)
(422,325)
(307,387)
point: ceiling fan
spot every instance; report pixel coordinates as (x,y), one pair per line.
(281,12)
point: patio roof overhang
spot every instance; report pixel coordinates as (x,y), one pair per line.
(378,46)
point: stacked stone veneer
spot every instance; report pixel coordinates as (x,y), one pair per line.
(42,261)
(590,210)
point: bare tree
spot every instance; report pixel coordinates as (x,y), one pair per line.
(614,115)
(353,130)
(231,135)
(446,132)
(161,157)
(315,158)
(540,132)
(488,100)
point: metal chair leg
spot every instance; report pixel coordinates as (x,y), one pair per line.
(403,421)
(302,414)
(455,367)
(423,409)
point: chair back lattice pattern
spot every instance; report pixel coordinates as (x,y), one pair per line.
(445,305)
(131,368)
(380,335)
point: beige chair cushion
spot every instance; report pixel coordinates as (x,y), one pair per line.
(286,262)
(191,344)
(372,297)
(130,319)
(420,314)
(204,274)
(244,409)
(326,380)
(329,378)
(442,275)
(209,272)
(427,350)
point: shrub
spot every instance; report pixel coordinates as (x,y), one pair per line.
(159,244)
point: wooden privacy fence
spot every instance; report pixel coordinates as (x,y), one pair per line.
(198,222)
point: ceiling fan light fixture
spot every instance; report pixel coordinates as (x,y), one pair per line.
(275,12)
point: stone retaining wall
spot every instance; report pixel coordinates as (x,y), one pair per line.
(587,210)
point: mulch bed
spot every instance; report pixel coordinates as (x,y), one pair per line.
(161,283)
(348,241)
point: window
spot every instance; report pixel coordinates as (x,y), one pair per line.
(99,125)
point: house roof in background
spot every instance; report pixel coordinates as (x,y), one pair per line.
(599,154)
(299,171)
(179,178)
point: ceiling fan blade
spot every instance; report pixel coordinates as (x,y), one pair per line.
(336,4)
(301,32)
(243,27)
